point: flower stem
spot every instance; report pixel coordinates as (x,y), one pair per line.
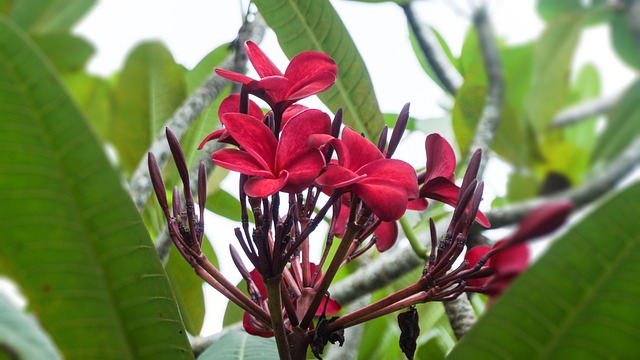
(275,310)
(418,248)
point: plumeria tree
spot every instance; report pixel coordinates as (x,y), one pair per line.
(345,250)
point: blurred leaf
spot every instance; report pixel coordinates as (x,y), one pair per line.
(224,204)
(188,287)
(21,335)
(148,90)
(5,6)
(624,40)
(69,53)
(49,16)
(578,301)
(522,186)
(596,10)
(304,25)
(382,1)
(94,96)
(552,61)
(622,128)
(391,119)
(238,345)
(434,347)
(73,240)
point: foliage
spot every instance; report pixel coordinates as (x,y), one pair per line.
(85,260)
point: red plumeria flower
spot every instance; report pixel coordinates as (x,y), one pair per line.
(328,306)
(287,164)
(384,185)
(510,256)
(308,73)
(439,178)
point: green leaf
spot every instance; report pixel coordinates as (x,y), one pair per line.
(21,335)
(622,128)
(188,287)
(46,16)
(578,301)
(95,97)
(550,9)
(224,204)
(624,39)
(149,89)
(72,238)
(69,53)
(238,345)
(304,25)
(551,69)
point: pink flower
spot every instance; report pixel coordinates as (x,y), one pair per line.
(384,185)
(308,73)
(287,164)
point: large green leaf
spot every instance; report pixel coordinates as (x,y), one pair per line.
(21,336)
(578,301)
(69,53)
(94,96)
(552,68)
(72,238)
(149,89)
(623,38)
(43,16)
(238,345)
(303,25)
(622,128)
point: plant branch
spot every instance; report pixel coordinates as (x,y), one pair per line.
(191,108)
(492,111)
(461,315)
(599,185)
(584,110)
(445,74)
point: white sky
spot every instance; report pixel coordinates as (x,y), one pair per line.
(192,28)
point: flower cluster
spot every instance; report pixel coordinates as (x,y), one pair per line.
(298,165)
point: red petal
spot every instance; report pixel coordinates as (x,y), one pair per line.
(311,86)
(441,189)
(472,256)
(296,133)
(341,221)
(337,176)
(258,282)
(396,172)
(234,76)
(214,135)
(361,150)
(262,187)
(240,161)
(250,329)
(441,160)
(386,200)
(310,66)
(263,65)
(333,307)
(232,104)
(512,260)
(253,136)
(419,204)
(387,234)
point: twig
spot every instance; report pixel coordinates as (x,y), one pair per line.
(491,114)
(432,51)
(584,110)
(602,182)
(191,108)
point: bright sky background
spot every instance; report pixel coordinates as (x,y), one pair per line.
(192,28)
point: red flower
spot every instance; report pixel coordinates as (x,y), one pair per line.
(386,232)
(308,73)
(384,185)
(254,328)
(286,165)
(510,256)
(439,178)
(230,104)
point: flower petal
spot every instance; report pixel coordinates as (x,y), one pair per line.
(234,76)
(387,234)
(387,200)
(253,136)
(310,66)
(232,104)
(240,161)
(514,259)
(214,135)
(541,221)
(296,133)
(396,172)
(263,65)
(262,187)
(337,176)
(248,326)
(361,150)
(311,86)
(473,256)
(441,160)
